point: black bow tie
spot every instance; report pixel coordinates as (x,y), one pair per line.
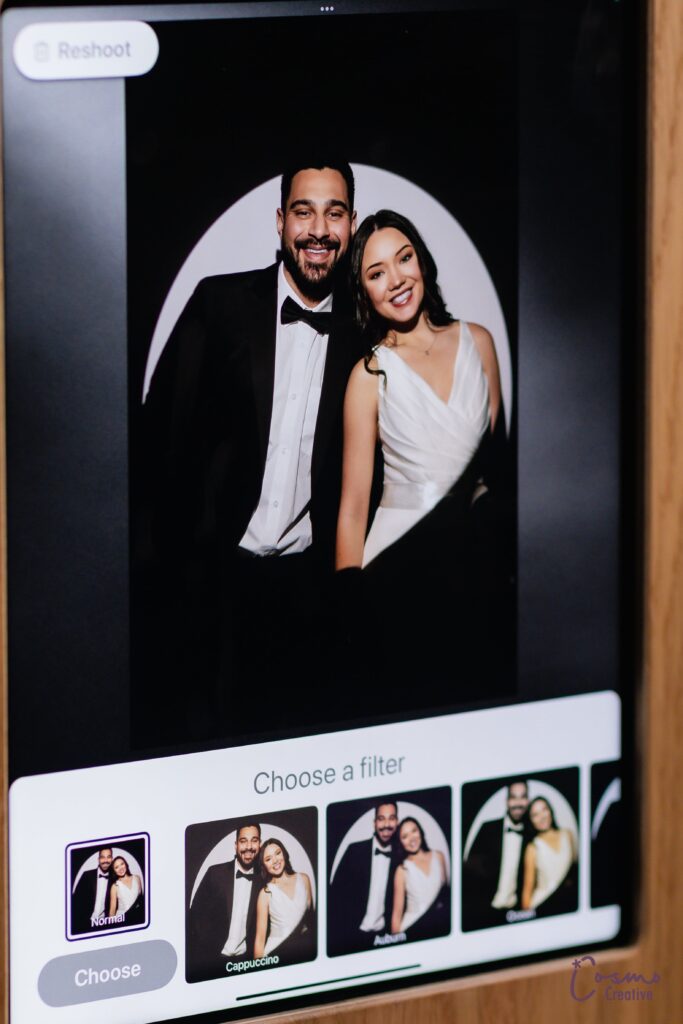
(291,313)
(517,829)
(242,874)
(100,875)
(383,853)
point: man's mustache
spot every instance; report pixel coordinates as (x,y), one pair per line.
(329,243)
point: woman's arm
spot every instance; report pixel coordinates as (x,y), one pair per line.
(399,899)
(442,865)
(529,876)
(489,360)
(112,901)
(309,893)
(261,923)
(572,845)
(360,436)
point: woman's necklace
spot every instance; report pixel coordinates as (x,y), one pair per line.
(423,351)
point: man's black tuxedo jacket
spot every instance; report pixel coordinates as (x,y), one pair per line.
(348,900)
(84,900)
(196,482)
(481,873)
(206,422)
(209,923)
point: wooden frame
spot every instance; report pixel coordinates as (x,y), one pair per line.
(541,992)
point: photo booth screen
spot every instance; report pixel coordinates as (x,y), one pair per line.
(323,411)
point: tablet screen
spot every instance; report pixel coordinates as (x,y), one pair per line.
(323,362)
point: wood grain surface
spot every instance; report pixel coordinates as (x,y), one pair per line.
(540,993)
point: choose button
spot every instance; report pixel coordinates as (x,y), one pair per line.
(107,973)
(85,49)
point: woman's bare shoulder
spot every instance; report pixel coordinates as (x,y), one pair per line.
(483,339)
(364,376)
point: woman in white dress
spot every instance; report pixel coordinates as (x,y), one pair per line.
(548,858)
(126,890)
(283,905)
(419,878)
(429,387)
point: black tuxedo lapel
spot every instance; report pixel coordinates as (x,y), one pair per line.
(251,914)
(335,376)
(87,891)
(260,310)
(228,893)
(338,364)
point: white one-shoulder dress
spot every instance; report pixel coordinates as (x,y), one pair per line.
(426,443)
(126,895)
(285,912)
(552,866)
(421,889)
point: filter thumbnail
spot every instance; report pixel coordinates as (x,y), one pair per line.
(250,893)
(107,886)
(520,848)
(389,880)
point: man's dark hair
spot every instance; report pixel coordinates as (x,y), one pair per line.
(317,161)
(518,782)
(248,824)
(103,848)
(384,803)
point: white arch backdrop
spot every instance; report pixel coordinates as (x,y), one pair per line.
(244,238)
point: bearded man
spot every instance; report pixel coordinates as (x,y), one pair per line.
(243,429)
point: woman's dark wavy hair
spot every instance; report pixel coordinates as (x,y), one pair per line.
(553,823)
(265,874)
(423,842)
(372,326)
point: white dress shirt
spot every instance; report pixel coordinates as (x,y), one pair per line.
(101,895)
(299,364)
(236,942)
(379,876)
(506,895)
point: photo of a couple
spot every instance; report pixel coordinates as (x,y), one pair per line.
(388,394)
(520,856)
(316,439)
(251,895)
(389,866)
(107,886)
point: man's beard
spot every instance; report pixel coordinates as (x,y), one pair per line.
(244,865)
(317,282)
